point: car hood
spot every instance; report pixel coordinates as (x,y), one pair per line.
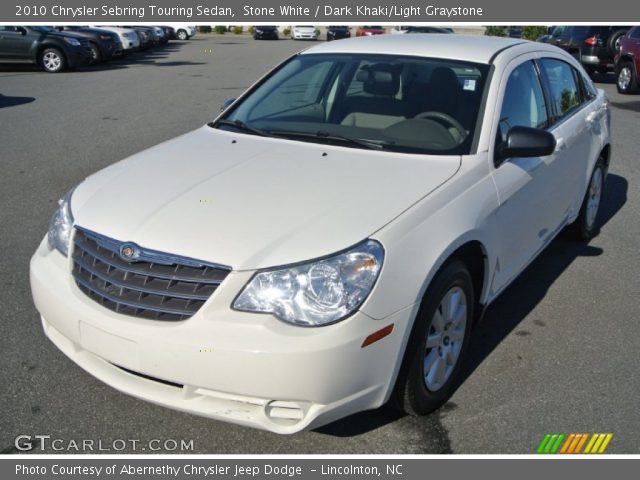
(252,202)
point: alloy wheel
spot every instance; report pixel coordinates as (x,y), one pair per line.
(624,78)
(51,61)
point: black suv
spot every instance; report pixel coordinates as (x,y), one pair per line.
(593,46)
(103,44)
(52,50)
(336,32)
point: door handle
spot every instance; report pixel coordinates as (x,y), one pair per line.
(591,117)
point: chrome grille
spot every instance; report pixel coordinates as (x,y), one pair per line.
(153,285)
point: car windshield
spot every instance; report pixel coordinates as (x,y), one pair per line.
(395,103)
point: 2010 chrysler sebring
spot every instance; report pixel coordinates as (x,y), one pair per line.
(325,245)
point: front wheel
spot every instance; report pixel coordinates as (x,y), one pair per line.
(627,82)
(182,35)
(52,60)
(95,53)
(431,366)
(586,225)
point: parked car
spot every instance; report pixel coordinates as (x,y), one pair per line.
(514,31)
(594,46)
(169,34)
(104,45)
(52,50)
(427,30)
(336,32)
(144,36)
(128,37)
(265,32)
(304,32)
(184,32)
(363,207)
(628,62)
(369,30)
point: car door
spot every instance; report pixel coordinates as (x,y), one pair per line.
(15,43)
(529,207)
(575,122)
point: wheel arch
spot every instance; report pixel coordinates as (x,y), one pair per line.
(41,48)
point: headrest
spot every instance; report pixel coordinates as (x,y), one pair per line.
(380,79)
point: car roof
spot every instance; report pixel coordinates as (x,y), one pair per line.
(471,48)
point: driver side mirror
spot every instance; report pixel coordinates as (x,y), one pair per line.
(525,142)
(227,103)
(21,30)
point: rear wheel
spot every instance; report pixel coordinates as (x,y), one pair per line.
(52,60)
(438,342)
(627,82)
(586,225)
(614,41)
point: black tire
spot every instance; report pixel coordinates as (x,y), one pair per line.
(411,393)
(613,44)
(586,225)
(182,35)
(52,60)
(627,79)
(95,52)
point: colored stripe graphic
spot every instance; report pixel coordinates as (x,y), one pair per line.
(573,443)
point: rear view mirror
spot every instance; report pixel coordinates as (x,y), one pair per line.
(526,142)
(227,103)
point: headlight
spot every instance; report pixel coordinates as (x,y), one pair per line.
(318,292)
(61,225)
(258,30)
(72,41)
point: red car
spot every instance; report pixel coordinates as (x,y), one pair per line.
(628,62)
(369,30)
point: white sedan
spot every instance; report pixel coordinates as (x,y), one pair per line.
(304,32)
(326,244)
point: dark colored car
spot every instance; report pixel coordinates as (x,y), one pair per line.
(428,30)
(369,30)
(104,45)
(336,32)
(54,51)
(628,62)
(594,46)
(147,36)
(514,31)
(265,32)
(169,34)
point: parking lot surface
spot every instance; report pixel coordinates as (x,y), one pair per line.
(557,352)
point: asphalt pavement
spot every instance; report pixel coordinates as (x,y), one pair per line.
(557,352)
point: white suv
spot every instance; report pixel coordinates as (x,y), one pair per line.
(326,244)
(184,32)
(128,37)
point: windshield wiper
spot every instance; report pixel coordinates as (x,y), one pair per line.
(242,126)
(322,135)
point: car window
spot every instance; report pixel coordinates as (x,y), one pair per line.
(8,28)
(523,104)
(398,103)
(564,91)
(635,33)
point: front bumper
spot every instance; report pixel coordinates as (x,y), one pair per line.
(248,369)
(78,57)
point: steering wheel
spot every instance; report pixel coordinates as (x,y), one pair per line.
(448,119)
